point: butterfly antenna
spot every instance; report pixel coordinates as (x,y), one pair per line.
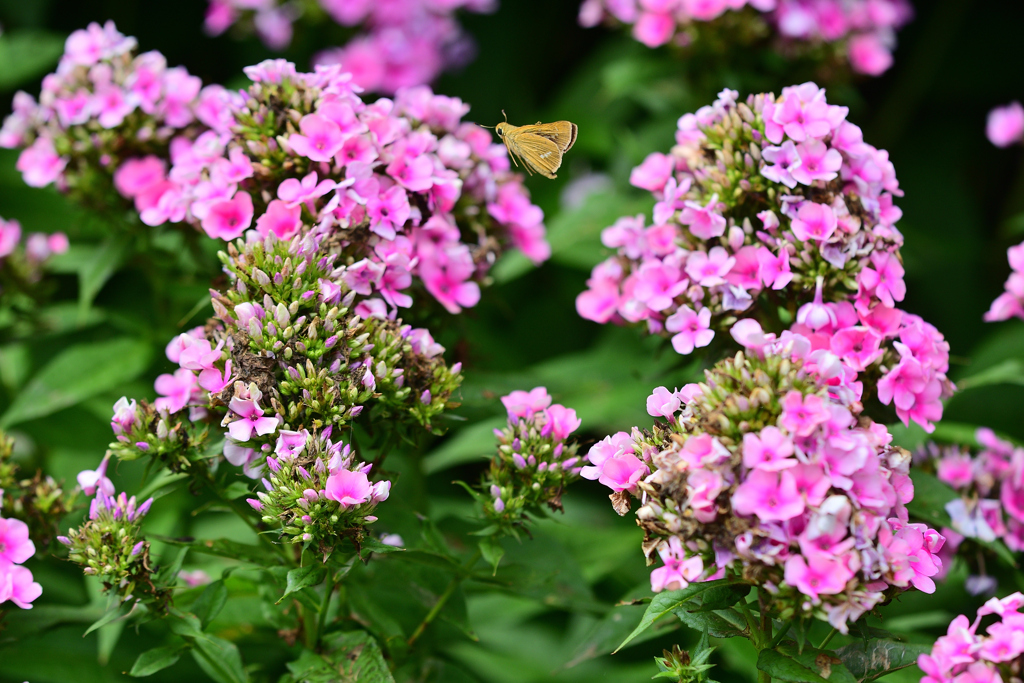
(505,115)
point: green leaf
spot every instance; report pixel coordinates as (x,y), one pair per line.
(357,657)
(372,545)
(223,547)
(220,659)
(76,374)
(491,551)
(209,604)
(168,574)
(304,577)
(721,597)
(237,489)
(26,55)
(96,270)
(157,659)
(670,601)
(724,623)
(868,660)
(785,663)
(117,611)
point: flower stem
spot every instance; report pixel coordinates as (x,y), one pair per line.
(443,598)
(329,587)
(828,638)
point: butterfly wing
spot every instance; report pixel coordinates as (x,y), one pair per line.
(562,133)
(539,154)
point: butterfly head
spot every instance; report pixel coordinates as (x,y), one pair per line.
(501,128)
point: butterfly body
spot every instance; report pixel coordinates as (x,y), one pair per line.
(539,147)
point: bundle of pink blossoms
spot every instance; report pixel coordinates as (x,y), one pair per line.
(769,204)
(535,460)
(395,44)
(864,29)
(990,483)
(16,582)
(406,189)
(759,473)
(104,106)
(964,656)
(23,262)
(1010,304)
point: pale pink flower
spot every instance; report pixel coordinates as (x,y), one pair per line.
(1006,125)
(15,545)
(348,488)
(678,570)
(524,404)
(692,329)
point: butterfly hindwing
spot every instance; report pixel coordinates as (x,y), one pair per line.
(540,154)
(562,133)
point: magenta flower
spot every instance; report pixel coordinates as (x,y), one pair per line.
(814,222)
(561,422)
(280,220)
(663,403)
(135,176)
(523,404)
(704,222)
(770,496)
(801,414)
(678,571)
(251,419)
(40,164)
(124,420)
(319,140)
(620,473)
(657,283)
(910,554)
(653,173)
(859,347)
(175,390)
(1005,125)
(692,329)
(884,280)
(388,211)
(229,218)
(817,575)
(710,269)
(817,162)
(769,450)
(654,28)
(348,488)
(91,480)
(294,192)
(15,545)
(784,159)
(869,54)
(17,585)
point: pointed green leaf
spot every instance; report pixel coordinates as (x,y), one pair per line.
(157,659)
(209,604)
(304,577)
(786,663)
(871,659)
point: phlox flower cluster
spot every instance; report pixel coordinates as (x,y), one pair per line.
(964,655)
(990,481)
(411,193)
(393,43)
(863,31)
(766,204)
(16,582)
(287,351)
(105,105)
(316,491)
(21,260)
(760,473)
(535,461)
(1010,304)
(1005,125)
(109,545)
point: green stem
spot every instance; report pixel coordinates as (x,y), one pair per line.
(755,630)
(781,634)
(443,598)
(329,587)
(828,638)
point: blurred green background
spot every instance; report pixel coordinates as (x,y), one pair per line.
(964,205)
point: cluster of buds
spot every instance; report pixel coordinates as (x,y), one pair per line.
(990,506)
(109,545)
(767,205)
(21,265)
(287,351)
(863,32)
(1010,304)
(534,463)
(105,106)
(317,493)
(406,189)
(760,473)
(965,656)
(41,501)
(392,45)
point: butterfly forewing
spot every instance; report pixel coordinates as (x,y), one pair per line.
(562,133)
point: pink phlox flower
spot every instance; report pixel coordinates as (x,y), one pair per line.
(858,346)
(176,391)
(817,162)
(703,487)
(412,169)
(112,104)
(1005,125)
(692,329)
(774,270)
(40,164)
(294,192)
(884,280)
(663,403)
(816,314)
(801,414)
(525,404)
(654,28)
(228,218)
(620,473)
(348,488)
(361,277)
(601,301)
(653,172)
(703,450)
(388,211)
(291,443)
(827,528)
(704,222)
(280,219)
(746,272)
(92,480)
(627,234)
(674,199)
(200,354)
(125,418)
(561,422)
(869,54)
(814,221)
(249,420)
(769,450)
(801,112)
(320,138)
(215,380)
(134,176)
(678,570)
(817,575)
(903,382)
(910,555)
(18,586)
(658,283)
(709,269)
(448,279)
(232,170)
(15,544)
(782,162)
(770,496)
